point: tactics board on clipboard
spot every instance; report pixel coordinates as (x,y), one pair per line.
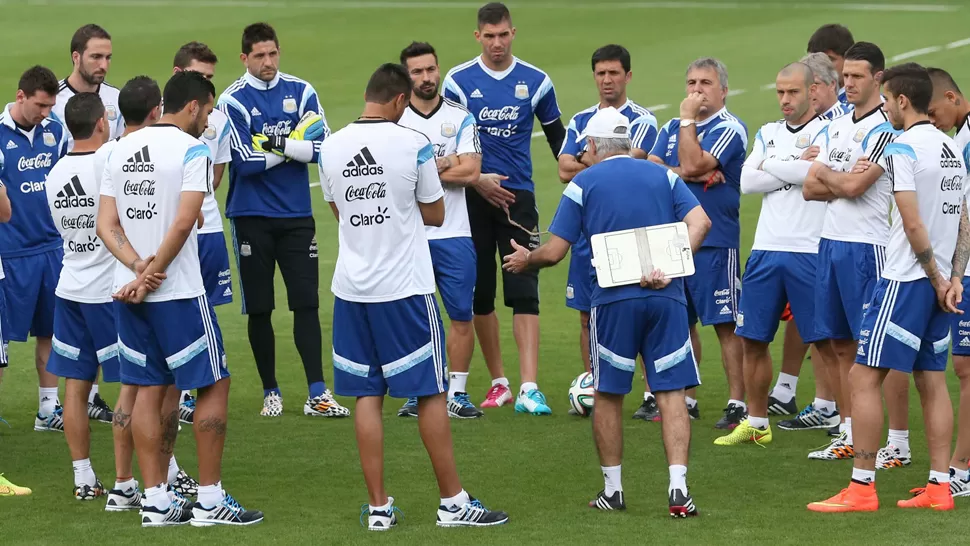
(623,257)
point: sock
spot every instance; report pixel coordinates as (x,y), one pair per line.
(962,475)
(900,439)
(83,473)
(678,478)
(647,396)
(383,508)
(939,477)
(173,470)
(211,495)
(690,402)
(738,403)
(157,497)
(848,431)
(457,501)
(759,423)
(841,427)
(262,341)
(456,383)
(317,388)
(526,387)
(501,381)
(126,485)
(784,389)
(185,396)
(826,407)
(48,400)
(863,476)
(274,389)
(611,476)
(309,343)
(93,393)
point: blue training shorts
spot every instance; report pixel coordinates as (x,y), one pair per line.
(960,324)
(395,347)
(772,280)
(216,275)
(714,289)
(85,338)
(29,290)
(655,328)
(454,261)
(847,274)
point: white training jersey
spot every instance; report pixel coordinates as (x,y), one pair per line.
(864,219)
(146,173)
(451,128)
(109,97)
(376,172)
(216,137)
(787,222)
(926,161)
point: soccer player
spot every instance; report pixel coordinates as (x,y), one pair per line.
(650,320)
(452,130)
(612,72)
(705,146)
(855,233)
(833,40)
(783,260)
(505,93)
(387,335)
(825,99)
(906,326)
(213,255)
(949,109)
(276,124)
(31,141)
(151,197)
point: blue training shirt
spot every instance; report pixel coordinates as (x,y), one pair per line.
(623,193)
(726,138)
(26,158)
(271,108)
(504,105)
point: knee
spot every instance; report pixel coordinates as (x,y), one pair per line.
(961,366)
(483,306)
(753,348)
(461,327)
(525,306)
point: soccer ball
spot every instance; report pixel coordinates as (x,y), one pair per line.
(581,394)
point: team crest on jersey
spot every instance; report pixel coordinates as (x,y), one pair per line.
(803,141)
(289,105)
(521,91)
(448,130)
(210,132)
(49,139)
(111,111)
(859,135)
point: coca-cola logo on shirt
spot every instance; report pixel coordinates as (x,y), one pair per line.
(505,113)
(81,221)
(374,190)
(40,161)
(140,187)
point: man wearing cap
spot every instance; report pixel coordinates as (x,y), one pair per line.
(617,193)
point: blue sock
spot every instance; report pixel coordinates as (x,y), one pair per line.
(316,389)
(267,391)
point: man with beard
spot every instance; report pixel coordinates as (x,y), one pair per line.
(458,153)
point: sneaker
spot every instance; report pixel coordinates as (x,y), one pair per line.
(173,515)
(648,410)
(777,407)
(185,485)
(272,405)
(834,431)
(681,504)
(733,415)
(810,418)
(461,407)
(891,457)
(86,492)
(694,412)
(470,514)
(123,500)
(857,497)
(99,410)
(187,410)
(380,520)
(324,406)
(409,409)
(53,422)
(936,496)
(10,489)
(178,499)
(958,487)
(497,396)
(533,402)
(837,450)
(614,502)
(744,433)
(227,513)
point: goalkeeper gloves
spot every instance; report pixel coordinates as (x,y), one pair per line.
(274,144)
(310,127)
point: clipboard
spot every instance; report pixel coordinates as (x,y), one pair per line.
(623,257)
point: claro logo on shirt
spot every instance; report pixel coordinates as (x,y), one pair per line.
(358,220)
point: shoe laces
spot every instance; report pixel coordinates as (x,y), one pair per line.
(463,400)
(536,396)
(190,403)
(809,409)
(495,391)
(840,439)
(365,511)
(412,402)
(232,504)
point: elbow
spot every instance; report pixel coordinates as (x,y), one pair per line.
(5,215)
(564,176)
(434,220)
(853,191)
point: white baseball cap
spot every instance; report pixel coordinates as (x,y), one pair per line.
(606,123)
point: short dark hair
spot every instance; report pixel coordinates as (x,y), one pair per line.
(869,52)
(138,98)
(942,80)
(83,35)
(493,13)
(81,114)
(387,82)
(184,87)
(256,33)
(913,81)
(417,49)
(38,78)
(612,52)
(194,51)
(835,38)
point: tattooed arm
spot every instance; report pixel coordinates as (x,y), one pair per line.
(962,253)
(919,238)
(113,235)
(460,169)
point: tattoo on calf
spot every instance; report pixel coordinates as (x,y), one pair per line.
(213,424)
(865,455)
(170,429)
(121,419)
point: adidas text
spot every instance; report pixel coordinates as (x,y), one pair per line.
(363,170)
(138,168)
(72,202)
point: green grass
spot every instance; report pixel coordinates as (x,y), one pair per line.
(304,473)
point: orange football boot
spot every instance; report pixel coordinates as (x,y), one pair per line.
(935,496)
(855,498)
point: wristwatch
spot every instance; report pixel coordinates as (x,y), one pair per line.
(579,156)
(686,122)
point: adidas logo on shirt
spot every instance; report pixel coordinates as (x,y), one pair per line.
(949,159)
(228,292)
(965,342)
(72,195)
(725,310)
(255,112)
(11,145)
(363,164)
(476,94)
(771,144)
(141,162)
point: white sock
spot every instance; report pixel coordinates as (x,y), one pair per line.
(211,495)
(185,396)
(678,478)
(173,470)
(501,381)
(526,387)
(383,508)
(612,479)
(962,475)
(739,403)
(647,396)
(456,383)
(784,389)
(690,402)
(863,476)
(939,477)
(827,407)
(457,501)
(900,439)
(126,485)
(93,393)
(47,398)
(759,423)
(157,497)
(83,473)
(848,431)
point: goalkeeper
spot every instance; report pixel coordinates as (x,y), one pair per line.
(276,125)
